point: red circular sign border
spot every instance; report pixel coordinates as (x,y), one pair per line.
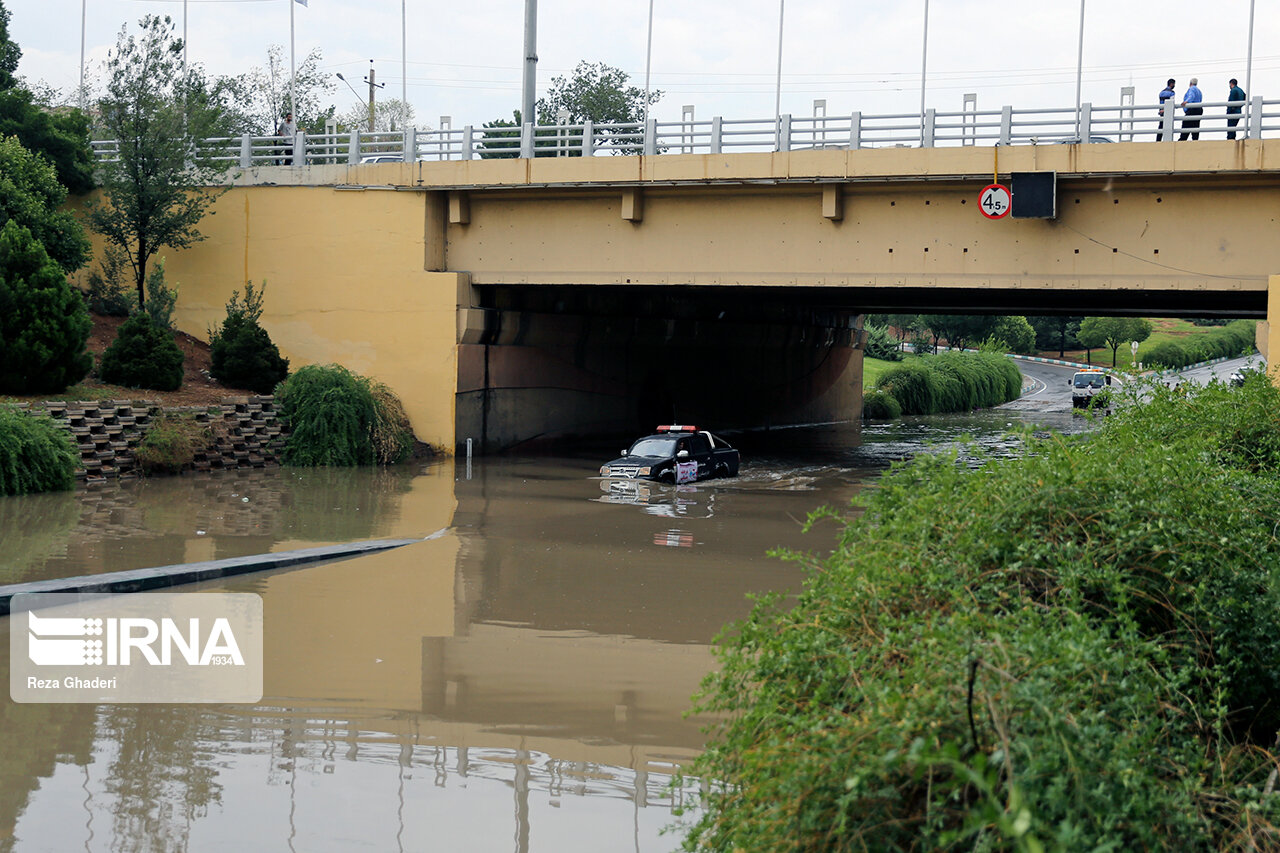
(1007,210)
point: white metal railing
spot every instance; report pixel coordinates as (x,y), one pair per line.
(1006,126)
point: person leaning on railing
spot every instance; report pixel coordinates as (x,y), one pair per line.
(1191,107)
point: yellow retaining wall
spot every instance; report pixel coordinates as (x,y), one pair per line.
(345,283)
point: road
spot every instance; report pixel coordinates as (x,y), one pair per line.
(1051,390)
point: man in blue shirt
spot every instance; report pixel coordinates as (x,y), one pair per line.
(1191,106)
(1235,100)
(1166,94)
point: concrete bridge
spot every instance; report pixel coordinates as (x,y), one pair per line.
(513,300)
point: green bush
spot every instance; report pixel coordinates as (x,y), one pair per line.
(952,382)
(36,455)
(172,442)
(880,406)
(392,434)
(336,417)
(109,292)
(1235,338)
(882,345)
(161,299)
(242,352)
(43,321)
(1072,650)
(142,356)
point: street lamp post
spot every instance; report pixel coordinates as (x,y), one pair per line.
(777,101)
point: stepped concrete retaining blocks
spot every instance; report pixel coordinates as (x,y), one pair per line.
(246,433)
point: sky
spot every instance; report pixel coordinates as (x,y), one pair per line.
(464,60)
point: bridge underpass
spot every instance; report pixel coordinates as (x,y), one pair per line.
(518,300)
(548,362)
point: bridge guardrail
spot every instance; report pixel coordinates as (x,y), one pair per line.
(1007,126)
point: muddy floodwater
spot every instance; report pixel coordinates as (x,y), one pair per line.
(515,681)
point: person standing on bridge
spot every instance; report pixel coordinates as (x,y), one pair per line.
(288,132)
(1166,94)
(1235,100)
(1191,106)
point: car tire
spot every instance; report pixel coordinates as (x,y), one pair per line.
(668,476)
(722,470)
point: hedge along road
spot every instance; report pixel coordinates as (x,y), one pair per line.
(1051,390)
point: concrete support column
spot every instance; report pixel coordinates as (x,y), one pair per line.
(1269,331)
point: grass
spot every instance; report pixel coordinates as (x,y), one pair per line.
(873,367)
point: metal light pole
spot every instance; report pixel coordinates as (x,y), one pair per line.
(83,4)
(530,82)
(1080,73)
(1248,72)
(293,72)
(777,101)
(924,65)
(404,63)
(648,64)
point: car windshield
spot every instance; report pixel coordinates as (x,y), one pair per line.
(661,447)
(1086,380)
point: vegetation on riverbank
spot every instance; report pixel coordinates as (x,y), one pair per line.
(1070,650)
(36,455)
(949,382)
(339,418)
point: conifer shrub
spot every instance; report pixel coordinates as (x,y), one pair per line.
(43,321)
(243,355)
(880,344)
(36,455)
(1071,650)
(142,356)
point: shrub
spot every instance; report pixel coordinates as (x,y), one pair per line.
(882,345)
(109,292)
(36,455)
(143,356)
(392,433)
(952,382)
(1235,338)
(242,352)
(172,442)
(330,413)
(1071,650)
(880,406)
(43,321)
(161,299)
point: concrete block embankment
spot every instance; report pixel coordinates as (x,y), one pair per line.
(244,433)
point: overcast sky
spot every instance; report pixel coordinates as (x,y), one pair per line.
(464,58)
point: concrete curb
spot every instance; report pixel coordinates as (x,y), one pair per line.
(141,580)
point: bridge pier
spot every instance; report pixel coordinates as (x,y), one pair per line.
(1268,339)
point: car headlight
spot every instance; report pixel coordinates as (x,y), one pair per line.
(644,472)
(604,470)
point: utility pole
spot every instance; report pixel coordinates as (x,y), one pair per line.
(530,82)
(373,86)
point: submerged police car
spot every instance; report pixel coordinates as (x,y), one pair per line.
(676,453)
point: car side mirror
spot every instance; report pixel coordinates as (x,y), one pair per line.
(1069,382)
(626,451)
(682,455)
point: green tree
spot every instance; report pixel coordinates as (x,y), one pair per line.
(158,189)
(61,135)
(389,114)
(31,196)
(43,321)
(1113,332)
(1056,333)
(259,98)
(10,53)
(1015,332)
(143,355)
(594,92)
(959,329)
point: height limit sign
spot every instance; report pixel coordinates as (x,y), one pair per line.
(996,201)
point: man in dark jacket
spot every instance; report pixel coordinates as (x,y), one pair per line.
(1166,94)
(1235,100)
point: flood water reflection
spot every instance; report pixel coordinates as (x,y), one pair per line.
(516,682)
